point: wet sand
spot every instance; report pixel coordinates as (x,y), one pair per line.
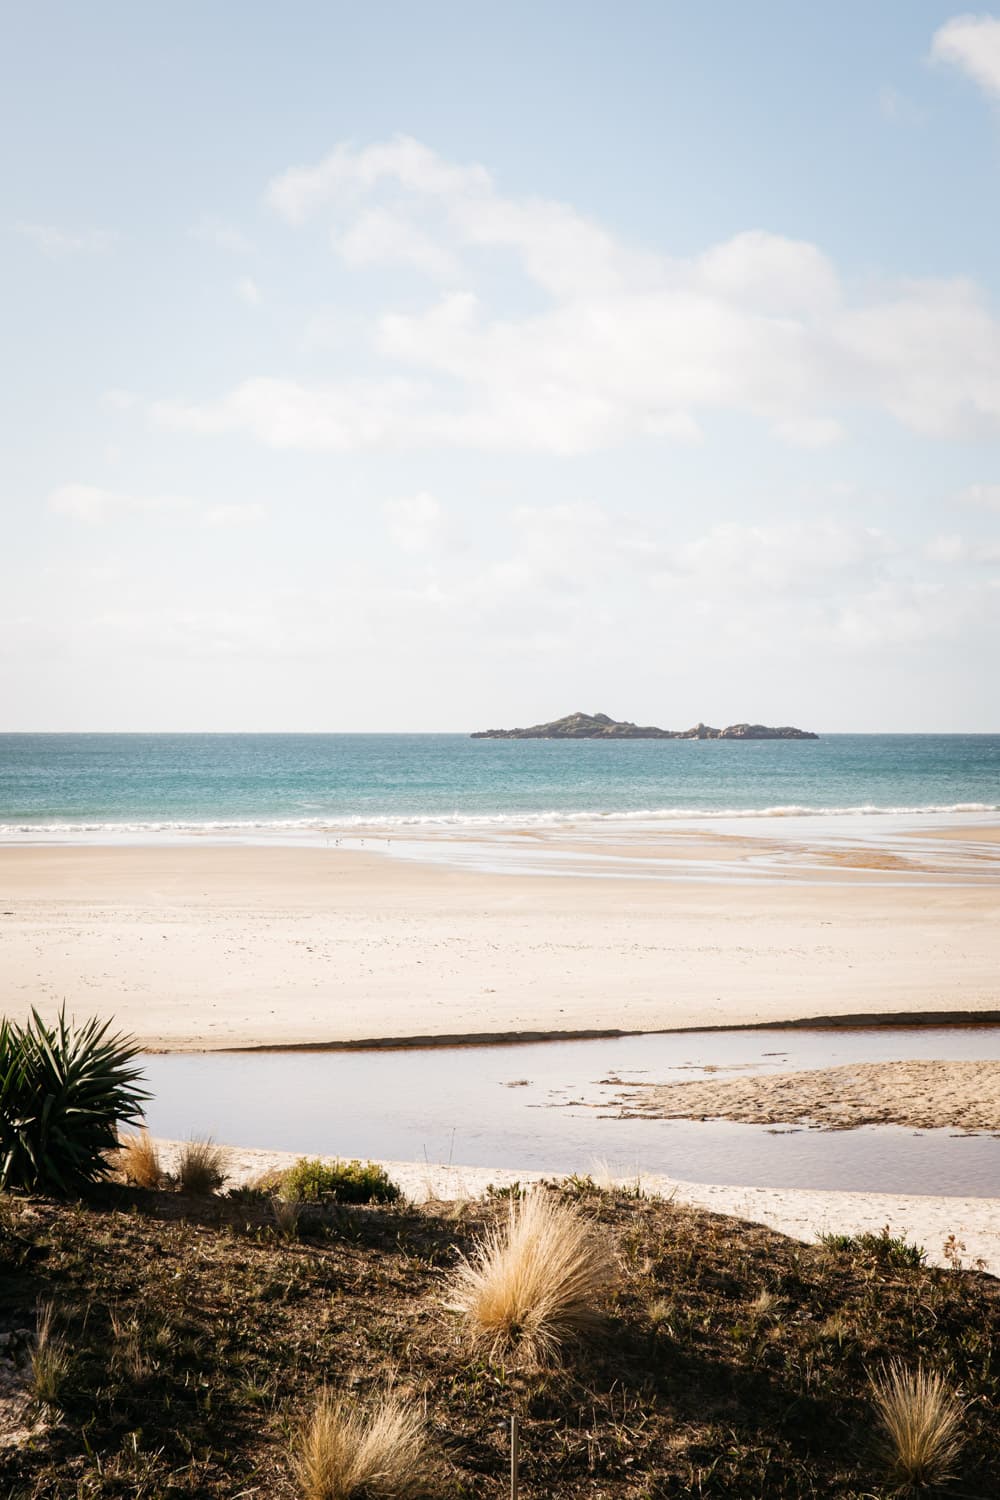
(920,1094)
(203,946)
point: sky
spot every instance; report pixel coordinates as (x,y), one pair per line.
(443,366)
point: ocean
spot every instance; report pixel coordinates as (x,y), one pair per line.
(91,785)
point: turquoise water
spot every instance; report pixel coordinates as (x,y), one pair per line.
(77,783)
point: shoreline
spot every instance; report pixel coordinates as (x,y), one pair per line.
(801,1213)
(916,1021)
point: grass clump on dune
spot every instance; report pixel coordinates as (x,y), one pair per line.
(921,1421)
(347,1453)
(201,1167)
(311,1180)
(534,1281)
(49,1357)
(139,1161)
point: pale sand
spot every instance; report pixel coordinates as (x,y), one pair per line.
(923,1095)
(194,947)
(800,1213)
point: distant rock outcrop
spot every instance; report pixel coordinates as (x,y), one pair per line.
(601,727)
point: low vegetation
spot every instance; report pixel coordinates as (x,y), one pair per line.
(884,1248)
(49,1357)
(201,1167)
(734,1364)
(64,1090)
(139,1161)
(534,1282)
(311,1180)
(921,1420)
(345,1452)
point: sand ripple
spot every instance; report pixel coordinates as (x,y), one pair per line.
(923,1095)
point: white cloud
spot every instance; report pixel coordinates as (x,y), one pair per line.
(415,523)
(626,343)
(301,191)
(986,495)
(248,291)
(769,272)
(971,43)
(810,432)
(225,516)
(121,400)
(57,244)
(953,548)
(947,549)
(896,107)
(382,237)
(578,573)
(791,557)
(95,506)
(223,235)
(286,414)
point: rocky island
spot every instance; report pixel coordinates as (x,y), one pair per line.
(601,727)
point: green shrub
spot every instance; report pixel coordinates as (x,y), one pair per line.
(346,1181)
(64,1089)
(889,1251)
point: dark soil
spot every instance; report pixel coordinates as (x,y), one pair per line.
(199,1340)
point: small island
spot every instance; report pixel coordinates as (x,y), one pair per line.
(601,727)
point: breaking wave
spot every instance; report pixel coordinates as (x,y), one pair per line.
(347,825)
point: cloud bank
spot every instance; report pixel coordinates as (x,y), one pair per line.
(621,342)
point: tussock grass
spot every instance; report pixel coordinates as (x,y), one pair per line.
(201,1167)
(921,1420)
(139,1161)
(127,1353)
(347,1453)
(49,1357)
(286,1216)
(533,1283)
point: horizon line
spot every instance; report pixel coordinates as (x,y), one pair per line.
(303,733)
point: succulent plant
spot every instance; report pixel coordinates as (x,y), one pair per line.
(64,1089)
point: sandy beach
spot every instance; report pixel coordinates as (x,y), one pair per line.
(920,1094)
(202,946)
(943,1227)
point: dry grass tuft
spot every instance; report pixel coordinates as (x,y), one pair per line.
(286,1216)
(127,1353)
(532,1283)
(921,1422)
(201,1167)
(49,1357)
(345,1453)
(139,1161)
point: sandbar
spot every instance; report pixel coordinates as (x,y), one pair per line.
(920,1094)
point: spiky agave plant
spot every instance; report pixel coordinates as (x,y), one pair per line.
(64,1089)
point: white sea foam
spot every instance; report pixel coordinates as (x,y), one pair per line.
(388,823)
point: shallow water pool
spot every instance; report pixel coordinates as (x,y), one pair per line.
(548,1106)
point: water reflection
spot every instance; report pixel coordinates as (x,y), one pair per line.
(544,1106)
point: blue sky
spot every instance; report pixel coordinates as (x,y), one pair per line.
(422,367)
